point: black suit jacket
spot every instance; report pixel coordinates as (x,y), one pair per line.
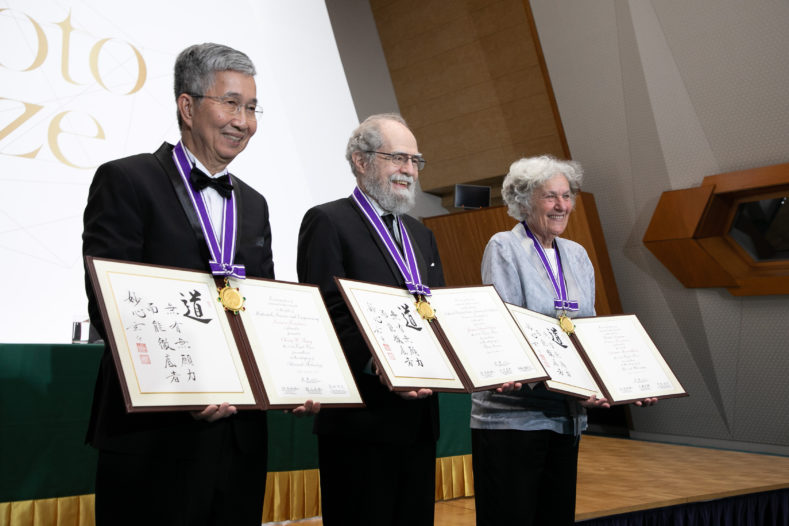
(138,210)
(336,240)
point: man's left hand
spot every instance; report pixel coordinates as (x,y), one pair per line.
(212,413)
(414,395)
(308,409)
(593,401)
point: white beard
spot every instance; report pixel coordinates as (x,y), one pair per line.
(395,201)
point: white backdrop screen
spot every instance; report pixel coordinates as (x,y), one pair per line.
(84,82)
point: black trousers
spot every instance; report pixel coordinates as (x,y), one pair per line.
(224,488)
(524,478)
(382,484)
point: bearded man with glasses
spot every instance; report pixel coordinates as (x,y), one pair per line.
(377,463)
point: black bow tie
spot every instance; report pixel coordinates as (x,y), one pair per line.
(220,184)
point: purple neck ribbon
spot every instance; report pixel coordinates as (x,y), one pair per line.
(408,268)
(222,256)
(559,286)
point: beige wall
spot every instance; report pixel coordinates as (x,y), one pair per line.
(368,75)
(469,78)
(653,95)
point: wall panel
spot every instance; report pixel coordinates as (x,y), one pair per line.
(470,80)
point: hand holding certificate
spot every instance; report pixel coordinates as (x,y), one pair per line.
(473,343)
(625,360)
(477,342)
(485,339)
(557,353)
(607,356)
(176,347)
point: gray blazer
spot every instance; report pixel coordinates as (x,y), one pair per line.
(512,265)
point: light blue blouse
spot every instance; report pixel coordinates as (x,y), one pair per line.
(513,266)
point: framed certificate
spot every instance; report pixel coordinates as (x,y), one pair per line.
(295,348)
(610,356)
(473,343)
(405,348)
(557,353)
(484,338)
(176,348)
(624,360)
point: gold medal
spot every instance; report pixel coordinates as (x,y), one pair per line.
(566,324)
(425,309)
(230,298)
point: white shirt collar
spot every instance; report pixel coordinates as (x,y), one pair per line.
(196,162)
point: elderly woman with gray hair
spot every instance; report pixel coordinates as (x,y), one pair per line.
(525,439)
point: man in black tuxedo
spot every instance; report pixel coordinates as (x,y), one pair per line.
(377,464)
(177,468)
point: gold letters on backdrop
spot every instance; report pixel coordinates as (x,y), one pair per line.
(29,109)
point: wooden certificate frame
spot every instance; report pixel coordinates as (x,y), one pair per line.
(624,360)
(397,337)
(569,372)
(406,350)
(484,338)
(175,347)
(292,318)
(610,356)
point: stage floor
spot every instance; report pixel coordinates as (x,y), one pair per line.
(620,476)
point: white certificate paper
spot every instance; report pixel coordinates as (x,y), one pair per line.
(626,360)
(404,345)
(177,348)
(484,337)
(171,338)
(557,353)
(296,349)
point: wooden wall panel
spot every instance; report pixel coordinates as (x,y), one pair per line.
(588,231)
(761,180)
(680,214)
(471,81)
(689,233)
(690,263)
(476,97)
(462,238)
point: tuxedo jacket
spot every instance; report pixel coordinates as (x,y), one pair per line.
(336,240)
(138,210)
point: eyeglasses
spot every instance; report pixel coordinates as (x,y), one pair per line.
(232,106)
(399,159)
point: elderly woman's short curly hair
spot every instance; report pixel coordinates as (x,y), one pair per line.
(529,174)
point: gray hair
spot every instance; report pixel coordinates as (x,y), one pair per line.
(196,66)
(367,137)
(529,174)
